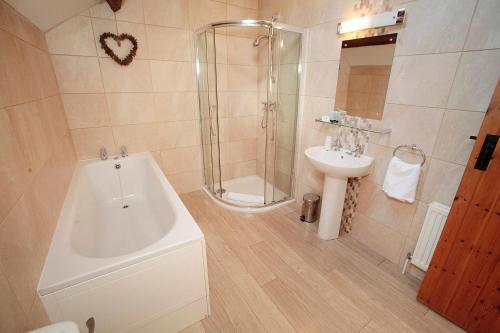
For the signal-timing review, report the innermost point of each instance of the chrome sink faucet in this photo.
(103, 153)
(337, 145)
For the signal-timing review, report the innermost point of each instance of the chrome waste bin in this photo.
(310, 208)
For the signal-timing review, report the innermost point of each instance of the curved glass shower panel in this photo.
(284, 95)
(247, 118)
(207, 101)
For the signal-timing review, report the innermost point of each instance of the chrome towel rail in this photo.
(413, 148)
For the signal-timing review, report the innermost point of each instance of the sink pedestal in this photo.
(332, 205)
(337, 165)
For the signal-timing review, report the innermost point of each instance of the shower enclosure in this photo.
(248, 88)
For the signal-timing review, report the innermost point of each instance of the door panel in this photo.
(463, 280)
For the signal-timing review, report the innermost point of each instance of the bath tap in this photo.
(103, 153)
(123, 151)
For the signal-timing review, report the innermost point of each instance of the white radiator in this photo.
(429, 235)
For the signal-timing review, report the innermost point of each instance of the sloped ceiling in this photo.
(46, 14)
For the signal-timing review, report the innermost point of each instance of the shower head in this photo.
(257, 40)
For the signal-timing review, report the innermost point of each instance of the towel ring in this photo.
(412, 147)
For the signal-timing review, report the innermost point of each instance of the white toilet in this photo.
(62, 327)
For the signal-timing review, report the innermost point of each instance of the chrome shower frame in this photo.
(271, 26)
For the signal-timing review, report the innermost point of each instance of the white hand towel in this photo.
(401, 180)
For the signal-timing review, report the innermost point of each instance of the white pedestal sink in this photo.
(337, 167)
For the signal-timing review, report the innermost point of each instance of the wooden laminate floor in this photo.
(270, 273)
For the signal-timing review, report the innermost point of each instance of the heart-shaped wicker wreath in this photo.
(118, 39)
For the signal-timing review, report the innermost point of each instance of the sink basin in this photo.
(339, 163)
(337, 167)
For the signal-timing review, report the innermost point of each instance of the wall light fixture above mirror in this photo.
(364, 70)
(374, 21)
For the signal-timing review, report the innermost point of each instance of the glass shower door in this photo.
(282, 116)
(208, 106)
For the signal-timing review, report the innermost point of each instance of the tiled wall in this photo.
(446, 65)
(36, 162)
(151, 104)
(238, 104)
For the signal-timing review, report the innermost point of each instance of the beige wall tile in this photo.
(169, 43)
(483, 33)
(88, 141)
(240, 51)
(13, 71)
(24, 245)
(54, 123)
(402, 120)
(378, 237)
(382, 157)
(34, 144)
(322, 78)
(164, 72)
(453, 143)
(242, 128)
(393, 214)
(253, 4)
(137, 138)
(175, 106)
(423, 80)
(441, 182)
(433, 27)
(241, 151)
(86, 110)
(77, 74)
(168, 13)
(100, 26)
(243, 103)
(242, 78)
(36, 162)
(475, 81)
(324, 43)
(139, 32)
(20, 27)
(131, 11)
(221, 48)
(222, 78)
(243, 169)
(102, 10)
(135, 77)
(178, 134)
(180, 160)
(202, 12)
(240, 13)
(131, 108)
(42, 73)
(14, 176)
(72, 37)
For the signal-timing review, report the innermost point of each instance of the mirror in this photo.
(364, 70)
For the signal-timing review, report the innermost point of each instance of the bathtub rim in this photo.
(78, 268)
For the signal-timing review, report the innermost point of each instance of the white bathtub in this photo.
(125, 252)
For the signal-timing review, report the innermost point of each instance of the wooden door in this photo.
(463, 279)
